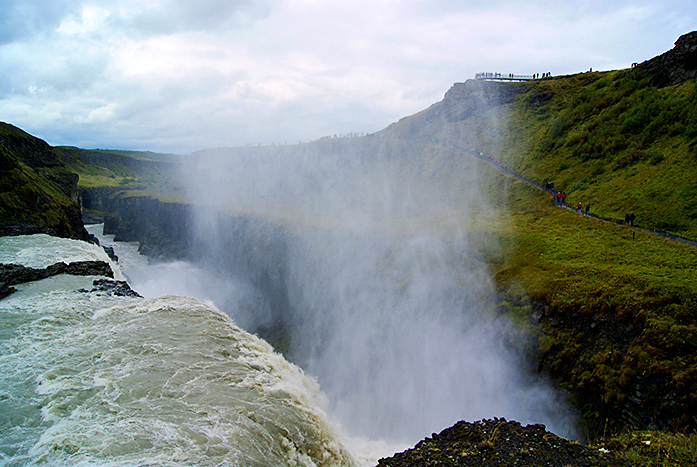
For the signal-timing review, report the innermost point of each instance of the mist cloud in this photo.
(358, 257)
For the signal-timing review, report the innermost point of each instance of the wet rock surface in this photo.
(110, 253)
(499, 442)
(111, 287)
(12, 274)
(162, 229)
(26, 229)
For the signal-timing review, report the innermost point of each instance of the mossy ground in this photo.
(653, 448)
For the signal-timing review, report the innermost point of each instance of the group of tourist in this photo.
(559, 198)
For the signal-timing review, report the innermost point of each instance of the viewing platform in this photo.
(508, 76)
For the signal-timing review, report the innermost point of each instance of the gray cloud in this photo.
(22, 19)
(177, 16)
(182, 75)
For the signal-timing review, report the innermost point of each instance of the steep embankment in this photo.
(612, 308)
(616, 307)
(617, 139)
(38, 192)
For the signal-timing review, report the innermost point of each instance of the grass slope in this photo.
(131, 173)
(612, 309)
(36, 189)
(616, 306)
(612, 140)
(617, 324)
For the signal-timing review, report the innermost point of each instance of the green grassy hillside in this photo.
(38, 193)
(608, 138)
(616, 308)
(613, 309)
(612, 140)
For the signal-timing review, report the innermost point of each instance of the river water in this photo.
(87, 378)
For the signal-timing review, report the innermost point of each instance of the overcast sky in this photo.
(181, 75)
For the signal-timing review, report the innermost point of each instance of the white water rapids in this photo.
(87, 378)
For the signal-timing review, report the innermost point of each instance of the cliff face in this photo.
(161, 228)
(462, 101)
(38, 193)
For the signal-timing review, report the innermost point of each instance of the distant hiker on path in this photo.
(629, 219)
(579, 206)
(588, 206)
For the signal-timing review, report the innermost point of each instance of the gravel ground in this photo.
(499, 442)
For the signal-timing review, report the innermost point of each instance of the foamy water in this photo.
(91, 379)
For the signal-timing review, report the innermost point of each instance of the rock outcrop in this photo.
(462, 101)
(112, 287)
(13, 274)
(675, 66)
(162, 229)
(502, 443)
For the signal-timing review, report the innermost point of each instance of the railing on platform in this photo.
(503, 77)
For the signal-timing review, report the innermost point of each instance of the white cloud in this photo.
(180, 75)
